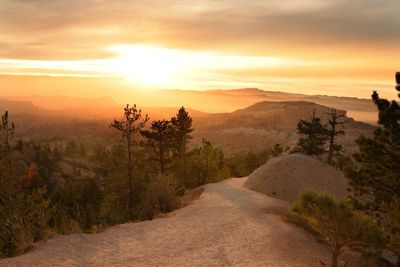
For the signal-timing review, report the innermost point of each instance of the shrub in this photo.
(338, 223)
(160, 197)
(23, 220)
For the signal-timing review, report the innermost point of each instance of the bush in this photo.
(113, 209)
(338, 224)
(23, 220)
(15, 231)
(160, 197)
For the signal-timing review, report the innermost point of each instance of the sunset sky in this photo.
(334, 47)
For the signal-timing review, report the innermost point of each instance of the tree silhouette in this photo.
(334, 121)
(131, 123)
(315, 136)
(159, 138)
(375, 178)
(182, 124)
(6, 133)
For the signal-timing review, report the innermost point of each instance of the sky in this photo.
(334, 47)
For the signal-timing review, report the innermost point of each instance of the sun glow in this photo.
(165, 67)
(149, 65)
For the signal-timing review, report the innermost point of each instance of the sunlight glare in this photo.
(164, 67)
(149, 65)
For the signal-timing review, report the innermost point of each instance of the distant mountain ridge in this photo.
(255, 127)
(220, 101)
(212, 101)
(266, 123)
(58, 102)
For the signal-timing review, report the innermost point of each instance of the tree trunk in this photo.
(162, 167)
(130, 178)
(184, 169)
(331, 141)
(330, 152)
(334, 260)
(183, 154)
(335, 257)
(161, 155)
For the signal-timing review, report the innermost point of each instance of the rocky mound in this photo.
(286, 177)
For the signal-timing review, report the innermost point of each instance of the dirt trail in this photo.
(228, 226)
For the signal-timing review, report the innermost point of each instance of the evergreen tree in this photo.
(159, 137)
(111, 165)
(375, 178)
(6, 133)
(315, 136)
(334, 121)
(206, 163)
(182, 124)
(131, 123)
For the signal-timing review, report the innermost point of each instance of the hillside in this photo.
(254, 128)
(231, 100)
(264, 124)
(217, 101)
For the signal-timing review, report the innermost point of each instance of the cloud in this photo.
(78, 29)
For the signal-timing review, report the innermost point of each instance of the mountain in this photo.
(231, 100)
(265, 124)
(212, 101)
(20, 107)
(57, 102)
(253, 128)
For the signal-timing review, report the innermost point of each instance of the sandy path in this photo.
(228, 226)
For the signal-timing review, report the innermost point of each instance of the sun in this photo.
(149, 65)
(154, 66)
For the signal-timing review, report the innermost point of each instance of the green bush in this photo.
(160, 197)
(113, 208)
(23, 220)
(338, 223)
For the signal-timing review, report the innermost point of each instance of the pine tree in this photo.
(182, 124)
(206, 163)
(375, 178)
(159, 137)
(6, 133)
(315, 136)
(131, 123)
(334, 121)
